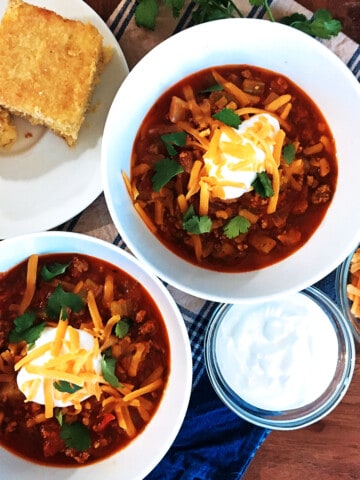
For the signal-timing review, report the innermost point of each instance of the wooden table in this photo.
(329, 449)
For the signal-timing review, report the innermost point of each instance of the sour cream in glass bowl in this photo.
(281, 364)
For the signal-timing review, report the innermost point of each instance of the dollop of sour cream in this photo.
(277, 355)
(25, 378)
(235, 156)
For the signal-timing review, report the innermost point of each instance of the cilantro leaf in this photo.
(321, 25)
(175, 5)
(236, 226)
(58, 415)
(146, 13)
(108, 370)
(122, 327)
(171, 139)
(195, 224)
(165, 170)
(262, 185)
(59, 301)
(75, 435)
(229, 117)
(51, 271)
(24, 322)
(24, 329)
(209, 10)
(67, 387)
(288, 152)
(213, 88)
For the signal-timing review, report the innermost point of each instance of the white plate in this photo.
(43, 182)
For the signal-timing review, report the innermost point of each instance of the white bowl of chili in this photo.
(104, 395)
(200, 214)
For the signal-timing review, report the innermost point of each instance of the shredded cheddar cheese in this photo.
(353, 286)
(235, 156)
(30, 283)
(94, 312)
(278, 103)
(69, 361)
(59, 337)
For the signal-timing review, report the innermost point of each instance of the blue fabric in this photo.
(213, 443)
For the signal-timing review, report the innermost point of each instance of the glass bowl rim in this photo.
(300, 417)
(341, 281)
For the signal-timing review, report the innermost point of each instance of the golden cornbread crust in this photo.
(8, 132)
(48, 67)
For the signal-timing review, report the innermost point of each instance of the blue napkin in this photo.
(213, 443)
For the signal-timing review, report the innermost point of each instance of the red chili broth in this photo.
(304, 118)
(26, 442)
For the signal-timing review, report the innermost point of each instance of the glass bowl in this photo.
(342, 280)
(265, 376)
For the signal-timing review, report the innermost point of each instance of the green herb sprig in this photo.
(321, 25)
(195, 224)
(75, 435)
(25, 329)
(108, 364)
(262, 185)
(229, 117)
(59, 301)
(236, 226)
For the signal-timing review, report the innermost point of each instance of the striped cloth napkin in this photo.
(213, 443)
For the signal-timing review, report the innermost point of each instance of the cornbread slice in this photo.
(48, 67)
(8, 133)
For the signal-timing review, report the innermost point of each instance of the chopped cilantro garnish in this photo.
(236, 225)
(67, 387)
(321, 24)
(122, 327)
(58, 415)
(229, 117)
(108, 364)
(51, 271)
(146, 13)
(195, 224)
(75, 435)
(288, 152)
(207, 11)
(213, 88)
(165, 170)
(262, 185)
(59, 301)
(170, 139)
(24, 329)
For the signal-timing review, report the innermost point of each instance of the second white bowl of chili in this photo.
(230, 170)
(95, 361)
